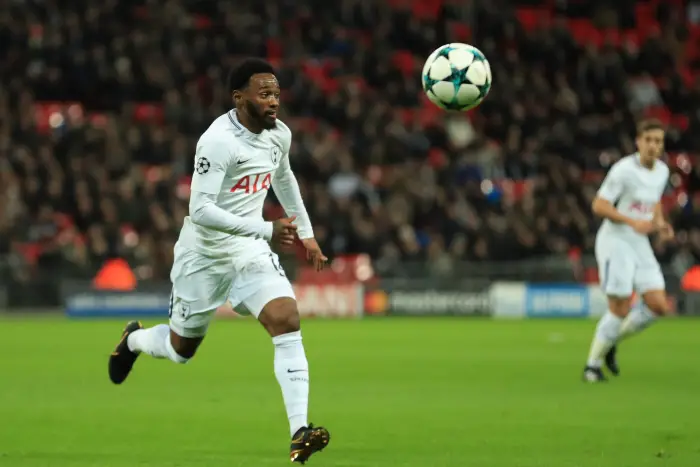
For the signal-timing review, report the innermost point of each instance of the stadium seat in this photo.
(659, 112)
(148, 112)
(403, 60)
(426, 9)
(460, 31)
(274, 49)
(680, 121)
(202, 22)
(584, 33)
(533, 18)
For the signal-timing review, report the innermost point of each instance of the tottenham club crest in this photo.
(275, 154)
(184, 310)
(202, 166)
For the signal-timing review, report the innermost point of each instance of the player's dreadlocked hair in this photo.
(240, 75)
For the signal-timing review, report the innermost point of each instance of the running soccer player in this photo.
(629, 202)
(223, 252)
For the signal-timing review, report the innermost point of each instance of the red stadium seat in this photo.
(660, 112)
(612, 36)
(680, 121)
(404, 61)
(459, 31)
(274, 49)
(49, 114)
(426, 9)
(431, 115)
(330, 85)
(148, 112)
(437, 158)
(29, 251)
(202, 22)
(532, 18)
(631, 37)
(584, 33)
(407, 115)
(646, 19)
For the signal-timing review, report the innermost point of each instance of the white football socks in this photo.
(636, 321)
(155, 342)
(292, 372)
(606, 334)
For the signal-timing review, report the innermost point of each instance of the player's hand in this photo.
(314, 253)
(284, 231)
(642, 227)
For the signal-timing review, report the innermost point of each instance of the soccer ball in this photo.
(456, 77)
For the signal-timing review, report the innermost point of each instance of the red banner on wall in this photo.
(330, 300)
(321, 300)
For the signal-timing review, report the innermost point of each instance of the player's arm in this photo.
(661, 225)
(659, 220)
(286, 189)
(609, 193)
(211, 163)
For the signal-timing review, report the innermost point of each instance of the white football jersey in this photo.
(239, 167)
(635, 190)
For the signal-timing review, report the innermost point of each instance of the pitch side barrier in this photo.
(501, 300)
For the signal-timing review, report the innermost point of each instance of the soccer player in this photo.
(223, 251)
(629, 202)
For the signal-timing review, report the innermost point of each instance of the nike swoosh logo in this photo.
(294, 371)
(243, 162)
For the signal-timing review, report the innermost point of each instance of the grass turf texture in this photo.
(393, 392)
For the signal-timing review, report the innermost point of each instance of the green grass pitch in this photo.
(393, 392)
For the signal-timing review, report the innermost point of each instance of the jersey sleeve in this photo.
(613, 185)
(205, 212)
(286, 189)
(211, 162)
(667, 183)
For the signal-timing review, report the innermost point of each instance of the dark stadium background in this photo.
(422, 213)
(102, 103)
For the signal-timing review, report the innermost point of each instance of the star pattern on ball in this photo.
(202, 166)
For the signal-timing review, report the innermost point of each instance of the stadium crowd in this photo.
(382, 172)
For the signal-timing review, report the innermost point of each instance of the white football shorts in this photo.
(202, 284)
(625, 267)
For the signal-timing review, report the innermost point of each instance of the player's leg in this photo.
(649, 283)
(268, 295)
(177, 342)
(280, 318)
(206, 283)
(616, 266)
(640, 317)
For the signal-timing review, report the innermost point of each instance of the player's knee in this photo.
(657, 303)
(182, 349)
(280, 316)
(619, 306)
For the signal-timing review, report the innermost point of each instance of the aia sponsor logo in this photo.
(638, 206)
(253, 183)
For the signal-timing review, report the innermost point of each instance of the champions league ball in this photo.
(456, 77)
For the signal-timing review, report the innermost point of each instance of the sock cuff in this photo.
(172, 354)
(613, 317)
(646, 312)
(286, 339)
